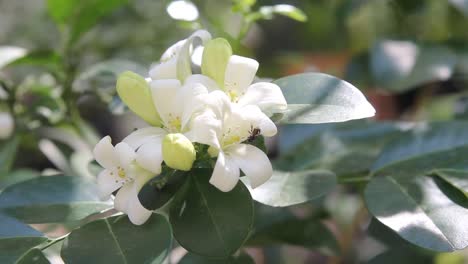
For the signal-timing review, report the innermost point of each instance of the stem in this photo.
(53, 242)
(354, 179)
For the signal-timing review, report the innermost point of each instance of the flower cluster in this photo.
(221, 108)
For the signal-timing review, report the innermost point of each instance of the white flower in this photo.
(225, 136)
(167, 66)
(178, 107)
(120, 171)
(7, 125)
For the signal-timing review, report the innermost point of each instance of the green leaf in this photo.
(9, 54)
(429, 146)
(222, 220)
(34, 256)
(290, 188)
(8, 154)
(242, 6)
(321, 98)
(17, 176)
(401, 256)
(401, 65)
(52, 199)
(461, 5)
(117, 240)
(456, 178)
(191, 258)
(16, 239)
(347, 149)
(277, 226)
(45, 58)
(419, 211)
(152, 196)
(80, 16)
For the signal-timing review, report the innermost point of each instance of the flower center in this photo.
(174, 124)
(121, 172)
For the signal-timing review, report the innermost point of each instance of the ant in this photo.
(254, 132)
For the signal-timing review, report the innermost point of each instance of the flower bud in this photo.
(178, 152)
(215, 57)
(136, 94)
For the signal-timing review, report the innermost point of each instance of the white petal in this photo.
(173, 50)
(164, 70)
(137, 214)
(108, 181)
(123, 196)
(205, 129)
(125, 154)
(7, 125)
(142, 135)
(225, 173)
(164, 94)
(190, 98)
(252, 161)
(267, 96)
(149, 155)
(104, 153)
(219, 102)
(240, 72)
(206, 81)
(257, 119)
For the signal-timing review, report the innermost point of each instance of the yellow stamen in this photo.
(121, 172)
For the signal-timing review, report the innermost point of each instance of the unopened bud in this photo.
(178, 152)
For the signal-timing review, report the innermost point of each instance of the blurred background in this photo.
(409, 57)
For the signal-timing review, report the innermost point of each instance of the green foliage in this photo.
(290, 188)
(191, 258)
(116, 240)
(8, 151)
(52, 199)
(223, 220)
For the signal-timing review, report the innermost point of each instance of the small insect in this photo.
(254, 133)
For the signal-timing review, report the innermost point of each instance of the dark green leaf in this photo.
(34, 256)
(16, 238)
(160, 190)
(200, 212)
(117, 240)
(401, 256)
(52, 199)
(191, 258)
(290, 188)
(417, 209)
(8, 151)
(402, 65)
(321, 98)
(456, 178)
(275, 226)
(461, 5)
(430, 146)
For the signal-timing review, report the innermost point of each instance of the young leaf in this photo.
(320, 98)
(290, 188)
(52, 199)
(222, 219)
(117, 240)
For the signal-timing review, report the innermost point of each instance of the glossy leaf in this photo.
(419, 211)
(428, 147)
(52, 199)
(456, 178)
(321, 98)
(401, 65)
(16, 238)
(191, 258)
(17, 176)
(290, 188)
(117, 240)
(222, 220)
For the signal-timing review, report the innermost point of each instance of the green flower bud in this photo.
(215, 58)
(178, 152)
(135, 93)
